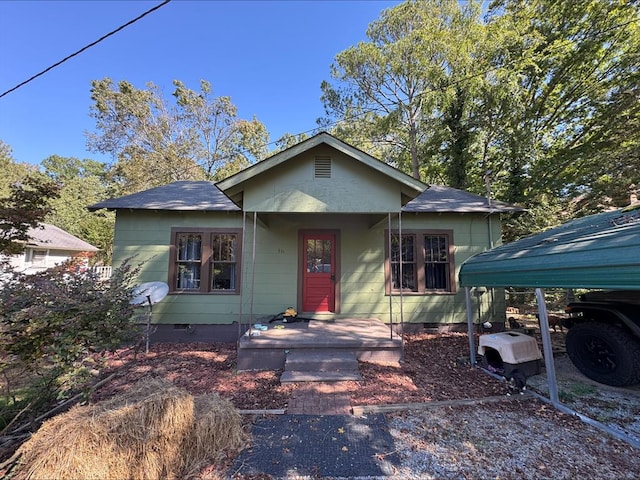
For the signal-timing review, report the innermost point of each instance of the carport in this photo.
(600, 251)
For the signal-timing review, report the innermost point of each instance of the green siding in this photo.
(289, 199)
(147, 235)
(353, 187)
(274, 286)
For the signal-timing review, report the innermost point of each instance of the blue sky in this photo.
(268, 56)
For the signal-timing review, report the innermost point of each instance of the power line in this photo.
(84, 48)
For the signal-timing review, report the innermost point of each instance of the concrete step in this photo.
(306, 360)
(369, 340)
(302, 376)
(317, 365)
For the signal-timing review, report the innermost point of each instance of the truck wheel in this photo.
(605, 353)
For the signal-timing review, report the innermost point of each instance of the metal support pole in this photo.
(547, 348)
(390, 275)
(470, 329)
(244, 230)
(149, 315)
(253, 270)
(401, 275)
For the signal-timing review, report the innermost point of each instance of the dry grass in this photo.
(218, 429)
(154, 431)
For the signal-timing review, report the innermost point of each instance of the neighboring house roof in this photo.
(310, 143)
(598, 251)
(54, 238)
(200, 196)
(438, 198)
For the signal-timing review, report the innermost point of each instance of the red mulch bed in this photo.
(433, 369)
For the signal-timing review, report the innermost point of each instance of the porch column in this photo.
(244, 231)
(401, 274)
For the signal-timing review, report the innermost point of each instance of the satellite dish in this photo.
(149, 293)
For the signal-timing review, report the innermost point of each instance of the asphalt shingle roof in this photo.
(200, 196)
(52, 237)
(206, 196)
(438, 198)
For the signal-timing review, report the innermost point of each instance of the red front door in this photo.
(319, 270)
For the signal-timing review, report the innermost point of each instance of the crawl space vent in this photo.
(323, 167)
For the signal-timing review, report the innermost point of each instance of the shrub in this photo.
(54, 322)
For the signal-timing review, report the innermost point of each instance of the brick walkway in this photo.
(320, 398)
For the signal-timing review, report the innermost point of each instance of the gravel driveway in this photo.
(524, 439)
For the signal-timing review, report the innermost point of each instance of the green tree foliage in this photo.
(62, 169)
(154, 142)
(540, 97)
(288, 140)
(82, 183)
(573, 75)
(53, 323)
(25, 207)
(401, 89)
(12, 171)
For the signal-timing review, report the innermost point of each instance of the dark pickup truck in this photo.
(603, 338)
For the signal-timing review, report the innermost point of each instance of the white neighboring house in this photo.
(48, 246)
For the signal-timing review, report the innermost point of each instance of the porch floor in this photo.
(370, 339)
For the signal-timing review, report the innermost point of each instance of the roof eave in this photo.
(93, 208)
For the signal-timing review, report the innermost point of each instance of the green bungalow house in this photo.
(321, 227)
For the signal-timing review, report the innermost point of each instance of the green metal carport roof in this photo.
(598, 251)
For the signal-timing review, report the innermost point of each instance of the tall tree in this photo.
(25, 200)
(573, 71)
(402, 86)
(25, 207)
(536, 103)
(288, 140)
(12, 170)
(221, 140)
(155, 143)
(82, 183)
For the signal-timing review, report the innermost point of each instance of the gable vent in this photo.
(323, 167)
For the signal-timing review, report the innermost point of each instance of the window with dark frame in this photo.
(223, 261)
(205, 261)
(424, 260)
(437, 263)
(403, 262)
